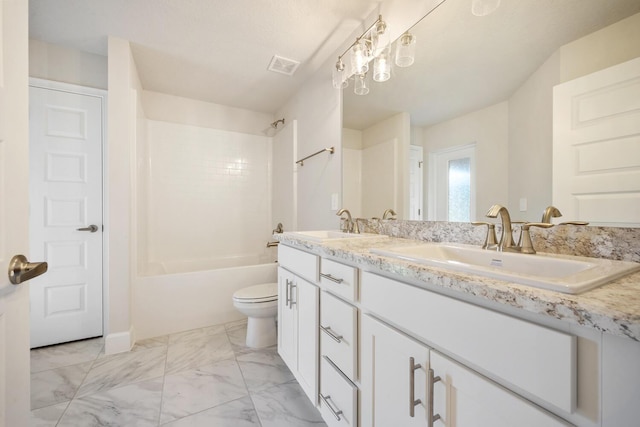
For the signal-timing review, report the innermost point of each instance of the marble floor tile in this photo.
(238, 413)
(286, 405)
(124, 368)
(196, 334)
(162, 341)
(73, 353)
(131, 405)
(47, 417)
(57, 385)
(263, 369)
(192, 391)
(196, 352)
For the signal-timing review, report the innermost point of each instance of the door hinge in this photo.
(420, 164)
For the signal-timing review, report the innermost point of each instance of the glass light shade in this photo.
(360, 85)
(359, 58)
(382, 66)
(340, 80)
(484, 7)
(406, 50)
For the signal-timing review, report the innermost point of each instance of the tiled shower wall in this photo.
(208, 197)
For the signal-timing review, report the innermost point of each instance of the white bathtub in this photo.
(174, 301)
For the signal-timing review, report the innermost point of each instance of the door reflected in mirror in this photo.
(486, 81)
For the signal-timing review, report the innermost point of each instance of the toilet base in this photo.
(261, 332)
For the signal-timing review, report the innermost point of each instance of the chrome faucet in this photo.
(389, 214)
(350, 225)
(550, 212)
(506, 239)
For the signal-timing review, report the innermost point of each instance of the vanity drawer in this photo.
(536, 359)
(301, 263)
(338, 333)
(338, 397)
(339, 278)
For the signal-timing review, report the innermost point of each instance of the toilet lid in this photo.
(258, 293)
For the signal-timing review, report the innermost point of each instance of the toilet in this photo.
(260, 304)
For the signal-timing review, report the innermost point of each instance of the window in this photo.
(451, 195)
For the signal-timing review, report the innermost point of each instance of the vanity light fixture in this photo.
(372, 45)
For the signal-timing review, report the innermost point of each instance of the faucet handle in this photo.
(490, 240)
(574, 223)
(526, 245)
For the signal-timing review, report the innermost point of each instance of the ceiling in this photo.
(212, 50)
(464, 62)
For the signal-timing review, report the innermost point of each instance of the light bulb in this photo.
(359, 58)
(382, 66)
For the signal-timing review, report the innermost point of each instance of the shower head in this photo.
(277, 122)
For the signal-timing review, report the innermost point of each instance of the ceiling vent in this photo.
(283, 65)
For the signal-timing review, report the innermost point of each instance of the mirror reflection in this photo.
(470, 123)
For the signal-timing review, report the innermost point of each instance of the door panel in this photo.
(66, 195)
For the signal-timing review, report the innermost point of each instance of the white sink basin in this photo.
(325, 235)
(562, 273)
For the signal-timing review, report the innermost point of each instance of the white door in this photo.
(393, 376)
(66, 214)
(415, 182)
(14, 206)
(596, 147)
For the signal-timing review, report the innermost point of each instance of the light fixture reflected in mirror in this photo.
(340, 78)
(360, 57)
(406, 50)
(484, 7)
(382, 65)
(360, 85)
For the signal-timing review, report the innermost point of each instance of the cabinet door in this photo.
(464, 398)
(306, 298)
(287, 322)
(393, 377)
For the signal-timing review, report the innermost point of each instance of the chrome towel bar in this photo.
(329, 149)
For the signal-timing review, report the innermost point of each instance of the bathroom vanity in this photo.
(378, 341)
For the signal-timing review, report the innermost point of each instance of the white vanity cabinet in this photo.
(406, 383)
(298, 302)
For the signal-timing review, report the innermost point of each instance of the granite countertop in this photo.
(613, 308)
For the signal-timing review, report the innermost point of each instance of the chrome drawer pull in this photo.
(327, 330)
(336, 413)
(431, 380)
(330, 277)
(412, 387)
(291, 300)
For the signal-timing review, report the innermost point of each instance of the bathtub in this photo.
(174, 298)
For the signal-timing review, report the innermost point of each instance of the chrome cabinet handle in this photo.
(288, 293)
(327, 330)
(92, 228)
(336, 412)
(21, 270)
(412, 386)
(330, 277)
(291, 300)
(431, 380)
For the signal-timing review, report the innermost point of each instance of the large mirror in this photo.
(469, 124)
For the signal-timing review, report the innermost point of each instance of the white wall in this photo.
(121, 150)
(62, 64)
(352, 171)
(318, 109)
(488, 128)
(176, 109)
(530, 108)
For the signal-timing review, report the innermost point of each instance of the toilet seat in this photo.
(265, 292)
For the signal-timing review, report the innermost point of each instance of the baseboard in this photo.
(119, 342)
